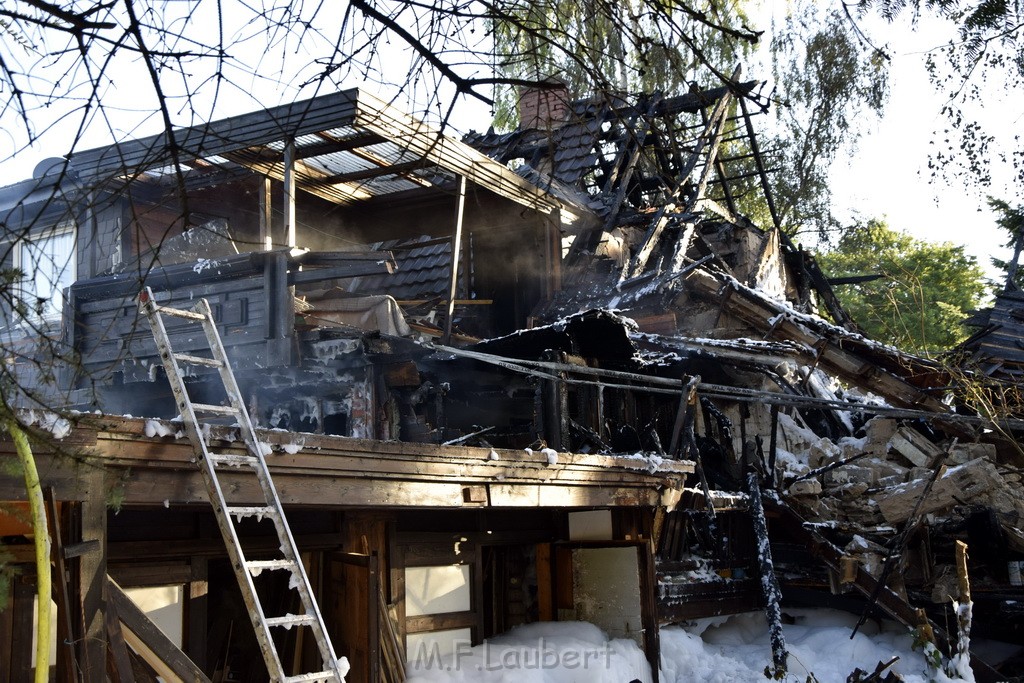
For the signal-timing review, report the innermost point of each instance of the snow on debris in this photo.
(819, 643)
(53, 423)
(293, 447)
(156, 428)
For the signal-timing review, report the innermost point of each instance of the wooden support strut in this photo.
(68, 669)
(453, 284)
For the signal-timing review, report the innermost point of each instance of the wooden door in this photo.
(352, 613)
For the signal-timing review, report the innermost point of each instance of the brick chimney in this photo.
(545, 107)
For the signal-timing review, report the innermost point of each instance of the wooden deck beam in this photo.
(339, 472)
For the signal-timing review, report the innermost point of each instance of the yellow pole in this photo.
(42, 543)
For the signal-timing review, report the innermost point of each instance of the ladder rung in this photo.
(234, 460)
(181, 313)
(213, 410)
(257, 566)
(259, 511)
(315, 676)
(198, 360)
(290, 620)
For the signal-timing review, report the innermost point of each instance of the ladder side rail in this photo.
(289, 547)
(232, 543)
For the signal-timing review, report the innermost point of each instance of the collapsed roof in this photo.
(662, 322)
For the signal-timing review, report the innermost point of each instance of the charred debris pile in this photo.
(661, 323)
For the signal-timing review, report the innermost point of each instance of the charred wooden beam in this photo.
(769, 582)
(759, 163)
(280, 318)
(835, 356)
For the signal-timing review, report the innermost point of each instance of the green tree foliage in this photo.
(629, 46)
(925, 290)
(828, 83)
(1011, 220)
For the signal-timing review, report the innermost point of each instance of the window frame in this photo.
(27, 285)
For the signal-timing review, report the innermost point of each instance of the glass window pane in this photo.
(48, 262)
(437, 590)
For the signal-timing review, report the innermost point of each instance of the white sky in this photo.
(886, 176)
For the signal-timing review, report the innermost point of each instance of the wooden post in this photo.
(453, 285)
(648, 605)
(289, 193)
(769, 583)
(92, 574)
(196, 612)
(280, 316)
(964, 606)
(266, 216)
(66, 663)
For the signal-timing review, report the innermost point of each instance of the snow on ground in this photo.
(721, 650)
(545, 652)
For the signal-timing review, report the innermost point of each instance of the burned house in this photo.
(554, 371)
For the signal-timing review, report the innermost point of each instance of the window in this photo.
(436, 599)
(48, 263)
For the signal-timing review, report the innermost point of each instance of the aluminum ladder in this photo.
(210, 463)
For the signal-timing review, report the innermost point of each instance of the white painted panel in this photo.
(165, 607)
(606, 590)
(437, 590)
(590, 525)
(423, 650)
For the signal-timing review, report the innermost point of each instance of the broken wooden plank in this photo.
(149, 641)
(119, 665)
